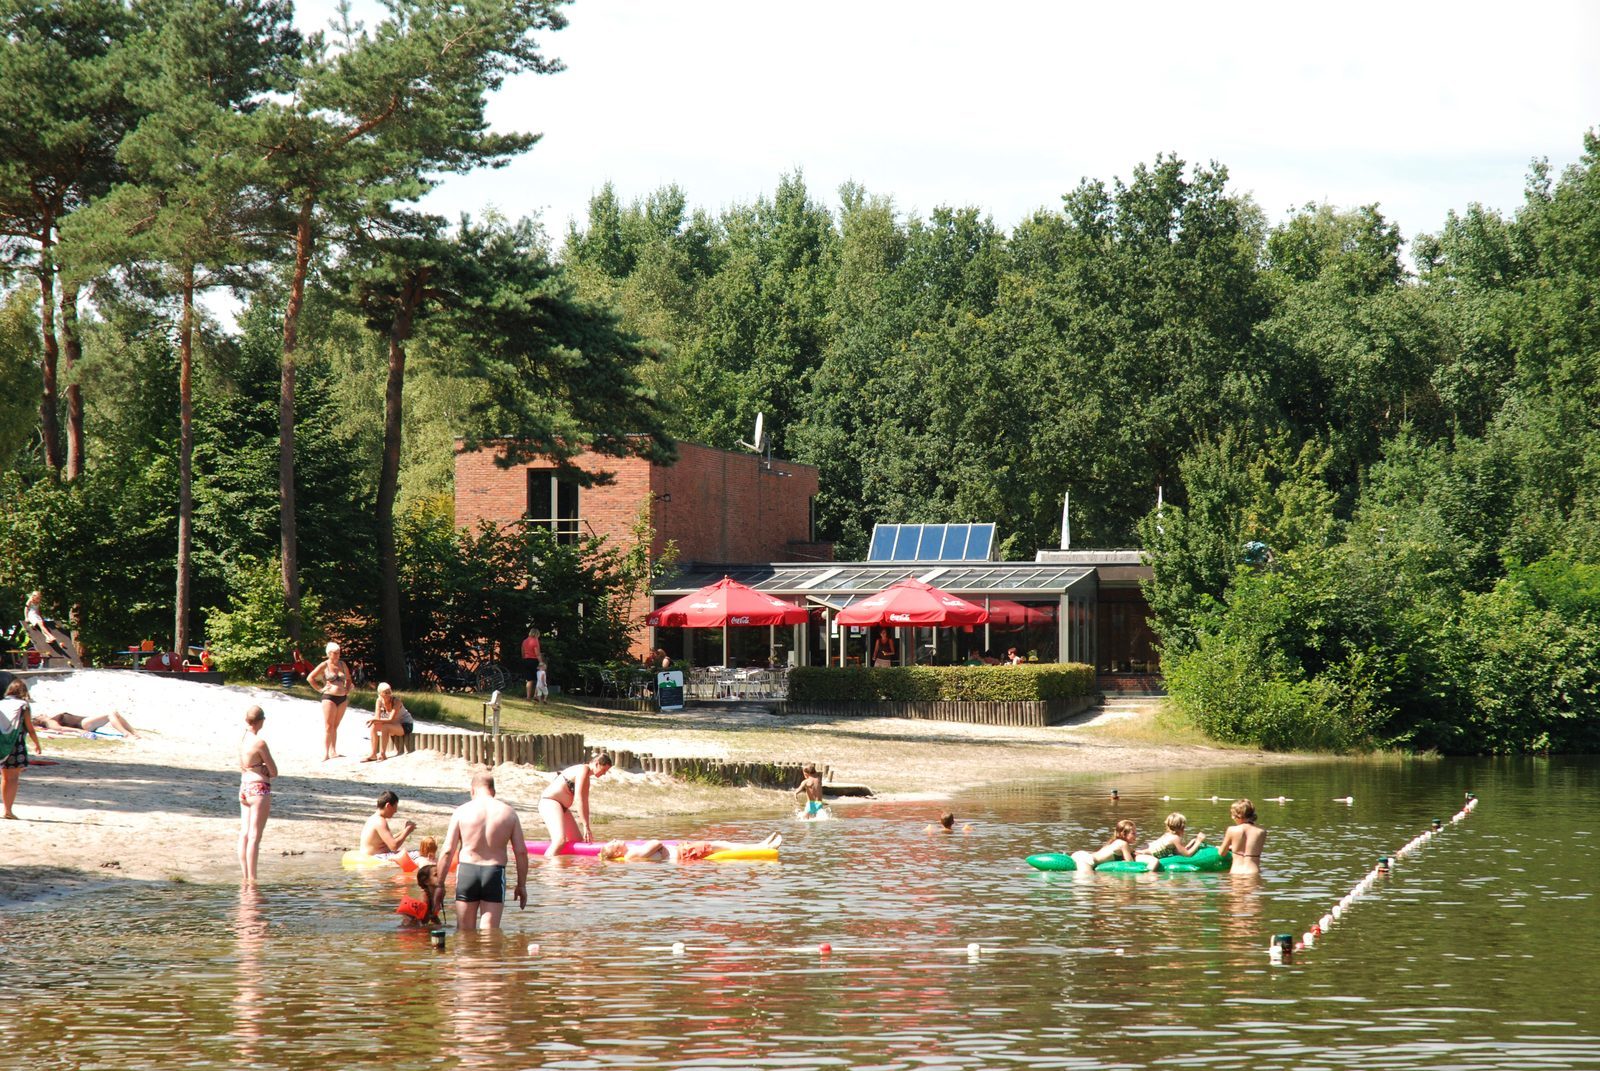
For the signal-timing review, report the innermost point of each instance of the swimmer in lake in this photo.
(417, 912)
(685, 851)
(1244, 838)
(377, 838)
(570, 789)
(1120, 846)
(811, 789)
(947, 824)
(1171, 842)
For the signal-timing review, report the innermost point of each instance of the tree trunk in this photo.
(49, 424)
(180, 614)
(394, 655)
(71, 354)
(288, 548)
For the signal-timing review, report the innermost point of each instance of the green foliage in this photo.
(253, 633)
(992, 684)
(467, 594)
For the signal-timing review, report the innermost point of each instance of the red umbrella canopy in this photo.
(727, 602)
(911, 602)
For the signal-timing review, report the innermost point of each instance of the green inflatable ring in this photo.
(1204, 861)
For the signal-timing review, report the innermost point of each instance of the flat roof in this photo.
(840, 583)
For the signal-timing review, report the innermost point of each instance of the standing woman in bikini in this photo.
(570, 789)
(256, 771)
(332, 678)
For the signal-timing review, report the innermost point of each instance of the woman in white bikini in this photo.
(331, 677)
(570, 789)
(256, 771)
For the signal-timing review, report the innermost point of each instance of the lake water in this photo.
(1482, 952)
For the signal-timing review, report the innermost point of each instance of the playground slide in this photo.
(54, 644)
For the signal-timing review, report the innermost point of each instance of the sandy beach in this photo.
(164, 807)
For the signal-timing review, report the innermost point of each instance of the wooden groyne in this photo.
(553, 751)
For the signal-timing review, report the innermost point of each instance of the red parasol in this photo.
(911, 602)
(727, 602)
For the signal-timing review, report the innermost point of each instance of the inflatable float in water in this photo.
(1205, 860)
(355, 859)
(592, 850)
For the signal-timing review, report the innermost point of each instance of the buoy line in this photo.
(1284, 945)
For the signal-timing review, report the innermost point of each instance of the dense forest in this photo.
(1378, 457)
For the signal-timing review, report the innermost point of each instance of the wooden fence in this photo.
(1036, 712)
(553, 751)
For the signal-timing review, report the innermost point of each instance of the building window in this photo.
(553, 504)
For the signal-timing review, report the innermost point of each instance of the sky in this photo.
(1419, 107)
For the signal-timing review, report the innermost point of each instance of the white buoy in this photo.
(679, 948)
(974, 949)
(1309, 939)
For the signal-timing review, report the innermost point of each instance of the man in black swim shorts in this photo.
(481, 832)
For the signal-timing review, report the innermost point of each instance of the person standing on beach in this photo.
(481, 831)
(16, 729)
(332, 678)
(532, 656)
(256, 770)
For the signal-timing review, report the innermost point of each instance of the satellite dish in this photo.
(758, 441)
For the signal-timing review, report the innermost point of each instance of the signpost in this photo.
(669, 689)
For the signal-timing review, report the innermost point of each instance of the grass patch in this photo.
(517, 715)
(1164, 725)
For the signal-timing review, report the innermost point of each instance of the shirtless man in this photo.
(1244, 839)
(481, 831)
(376, 836)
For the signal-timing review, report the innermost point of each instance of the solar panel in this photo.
(931, 543)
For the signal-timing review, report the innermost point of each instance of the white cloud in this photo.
(1421, 107)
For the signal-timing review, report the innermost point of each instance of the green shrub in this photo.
(1230, 695)
(254, 633)
(900, 684)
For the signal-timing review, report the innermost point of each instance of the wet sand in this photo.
(165, 808)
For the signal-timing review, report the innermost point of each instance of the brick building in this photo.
(716, 505)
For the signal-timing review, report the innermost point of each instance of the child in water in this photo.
(1120, 846)
(1171, 842)
(947, 824)
(1244, 838)
(415, 913)
(427, 852)
(811, 789)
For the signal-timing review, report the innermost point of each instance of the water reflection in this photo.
(250, 941)
(1478, 953)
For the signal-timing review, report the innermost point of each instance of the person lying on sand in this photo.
(685, 851)
(85, 723)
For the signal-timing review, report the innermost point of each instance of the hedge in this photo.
(993, 684)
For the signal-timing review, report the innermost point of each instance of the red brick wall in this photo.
(732, 507)
(716, 504)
